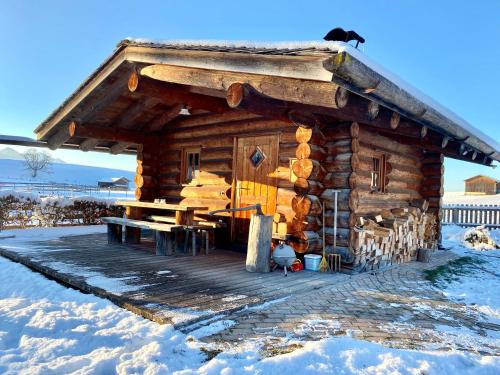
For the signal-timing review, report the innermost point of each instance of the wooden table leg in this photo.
(193, 233)
(114, 233)
(207, 241)
(164, 243)
(132, 235)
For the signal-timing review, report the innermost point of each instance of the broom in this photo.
(323, 266)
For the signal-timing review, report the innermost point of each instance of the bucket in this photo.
(312, 261)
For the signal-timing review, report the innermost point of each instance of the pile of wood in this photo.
(393, 236)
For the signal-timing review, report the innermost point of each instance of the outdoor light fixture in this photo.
(184, 111)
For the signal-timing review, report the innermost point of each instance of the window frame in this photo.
(379, 167)
(185, 164)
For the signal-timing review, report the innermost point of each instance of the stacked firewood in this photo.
(393, 236)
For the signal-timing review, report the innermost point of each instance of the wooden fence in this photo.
(470, 215)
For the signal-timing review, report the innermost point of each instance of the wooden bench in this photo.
(204, 228)
(164, 233)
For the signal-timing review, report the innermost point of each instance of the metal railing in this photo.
(471, 215)
(61, 189)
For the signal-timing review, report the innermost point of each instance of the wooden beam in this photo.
(61, 136)
(243, 96)
(110, 134)
(174, 94)
(127, 117)
(89, 144)
(119, 148)
(324, 94)
(165, 117)
(445, 141)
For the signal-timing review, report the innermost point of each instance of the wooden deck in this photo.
(179, 289)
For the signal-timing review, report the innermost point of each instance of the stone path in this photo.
(397, 307)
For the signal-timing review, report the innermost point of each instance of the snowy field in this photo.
(48, 328)
(461, 198)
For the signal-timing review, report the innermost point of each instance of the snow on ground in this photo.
(479, 286)
(461, 198)
(48, 328)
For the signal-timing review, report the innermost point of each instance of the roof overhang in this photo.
(326, 68)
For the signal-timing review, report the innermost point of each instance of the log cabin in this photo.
(291, 126)
(481, 185)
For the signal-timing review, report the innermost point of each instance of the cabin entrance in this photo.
(254, 175)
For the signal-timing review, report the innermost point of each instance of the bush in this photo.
(25, 210)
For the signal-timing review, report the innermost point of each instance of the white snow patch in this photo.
(212, 328)
(232, 298)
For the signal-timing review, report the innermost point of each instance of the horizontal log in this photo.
(144, 181)
(343, 219)
(303, 186)
(310, 151)
(284, 196)
(307, 223)
(342, 146)
(287, 211)
(214, 166)
(209, 133)
(306, 235)
(387, 143)
(206, 192)
(342, 236)
(174, 94)
(337, 180)
(306, 205)
(287, 89)
(310, 135)
(303, 247)
(308, 169)
(185, 122)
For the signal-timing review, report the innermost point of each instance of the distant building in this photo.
(118, 183)
(481, 185)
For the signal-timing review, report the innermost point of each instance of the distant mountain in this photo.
(11, 154)
(14, 171)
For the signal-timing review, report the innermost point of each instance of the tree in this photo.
(36, 161)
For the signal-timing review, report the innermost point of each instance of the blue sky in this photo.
(448, 49)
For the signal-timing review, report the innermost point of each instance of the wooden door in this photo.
(255, 168)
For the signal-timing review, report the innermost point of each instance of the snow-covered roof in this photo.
(115, 180)
(390, 91)
(481, 176)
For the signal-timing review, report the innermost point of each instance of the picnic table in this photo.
(164, 227)
(184, 215)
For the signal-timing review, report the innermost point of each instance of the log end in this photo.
(72, 128)
(133, 82)
(341, 97)
(235, 94)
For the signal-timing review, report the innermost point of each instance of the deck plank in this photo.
(201, 285)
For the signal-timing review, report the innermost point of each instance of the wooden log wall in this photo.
(432, 186)
(308, 186)
(146, 177)
(404, 173)
(214, 135)
(341, 163)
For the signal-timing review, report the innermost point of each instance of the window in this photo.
(379, 170)
(257, 157)
(190, 166)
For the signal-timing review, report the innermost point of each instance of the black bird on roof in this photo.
(340, 35)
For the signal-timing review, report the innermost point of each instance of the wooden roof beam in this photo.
(126, 119)
(174, 94)
(94, 134)
(119, 147)
(159, 122)
(323, 94)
